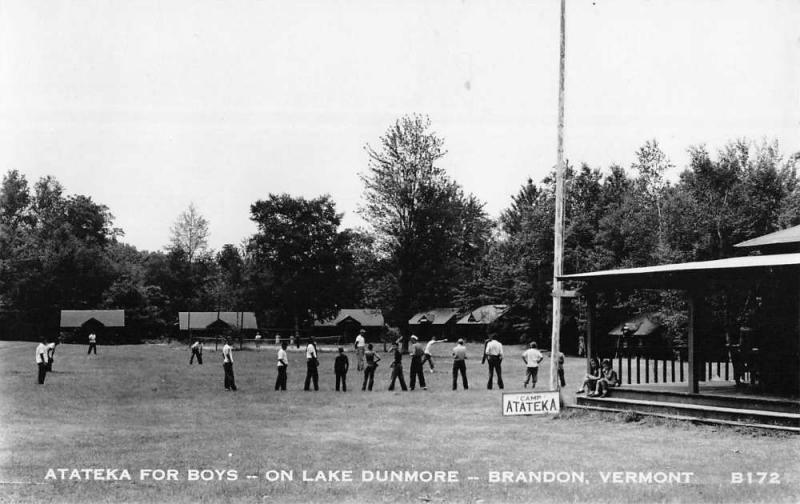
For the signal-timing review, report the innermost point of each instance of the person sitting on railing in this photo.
(609, 379)
(590, 378)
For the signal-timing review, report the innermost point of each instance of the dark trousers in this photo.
(369, 377)
(416, 371)
(311, 374)
(427, 358)
(42, 372)
(495, 364)
(460, 366)
(532, 375)
(92, 346)
(561, 378)
(341, 377)
(397, 372)
(280, 383)
(50, 364)
(197, 354)
(230, 383)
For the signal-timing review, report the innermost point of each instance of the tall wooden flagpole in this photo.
(558, 255)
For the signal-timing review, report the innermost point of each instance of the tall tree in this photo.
(190, 232)
(427, 229)
(297, 257)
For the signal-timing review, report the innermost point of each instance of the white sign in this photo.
(531, 403)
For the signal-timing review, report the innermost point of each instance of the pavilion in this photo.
(702, 387)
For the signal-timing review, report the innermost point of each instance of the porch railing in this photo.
(638, 370)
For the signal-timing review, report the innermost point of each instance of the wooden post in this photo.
(695, 364)
(558, 255)
(590, 326)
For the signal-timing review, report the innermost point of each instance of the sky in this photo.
(148, 106)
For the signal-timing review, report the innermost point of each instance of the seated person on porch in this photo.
(590, 378)
(609, 379)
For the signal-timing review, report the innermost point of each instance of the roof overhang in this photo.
(686, 275)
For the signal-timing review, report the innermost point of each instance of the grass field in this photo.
(144, 407)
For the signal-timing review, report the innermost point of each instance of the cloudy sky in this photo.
(149, 105)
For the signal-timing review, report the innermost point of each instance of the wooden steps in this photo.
(688, 418)
(698, 407)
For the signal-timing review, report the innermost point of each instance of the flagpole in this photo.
(558, 253)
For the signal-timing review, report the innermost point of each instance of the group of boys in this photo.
(367, 362)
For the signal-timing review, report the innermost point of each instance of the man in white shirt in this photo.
(41, 360)
(227, 365)
(460, 364)
(360, 346)
(92, 343)
(258, 340)
(197, 351)
(283, 363)
(493, 353)
(311, 365)
(427, 357)
(532, 357)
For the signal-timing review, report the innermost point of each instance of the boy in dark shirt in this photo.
(397, 367)
(340, 367)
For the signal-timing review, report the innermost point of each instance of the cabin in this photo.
(348, 322)
(744, 374)
(640, 335)
(477, 324)
(439, 323)
(218, 322)
(107, 325)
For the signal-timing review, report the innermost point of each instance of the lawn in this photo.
(143, 407)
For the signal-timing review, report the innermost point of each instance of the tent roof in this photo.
(784, 236)
(437, 316)
(367, 317)
(644, 324)
(485, 314)
(76, 318)
(201, 320)
(682, 275)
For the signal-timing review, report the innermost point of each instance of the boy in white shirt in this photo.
(41, 360)
(227, 365)
(283, 363)
(311, 365)
(532, 357)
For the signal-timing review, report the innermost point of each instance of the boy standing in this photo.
(372, 359)
(340, 366)
(283, 363)
(227, 365)
(360, 347)
(311, 365)
(397, 367)
(416, 364)
(92, 343)
(197, 351)
(41, 360)
(532, 357)
(460, 364)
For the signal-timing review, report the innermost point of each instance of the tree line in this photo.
(431, 244)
